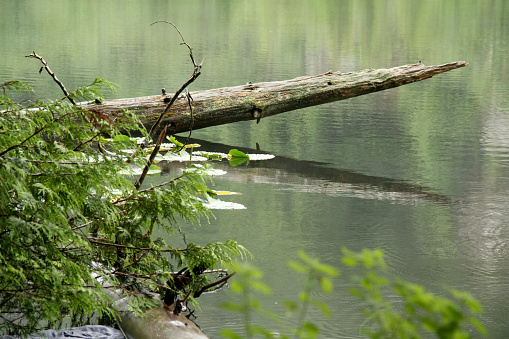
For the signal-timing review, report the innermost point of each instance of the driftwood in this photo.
(160, 322)
(260, 100)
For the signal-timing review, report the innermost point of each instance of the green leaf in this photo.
(175, 141)
(298, 267)
(229, 333)
(238, 161)
(121, 138)
(323, 307)
(478, 325)
(261, 287)
(327, 285)
(327, 270)
(291, 305)
(238, 154)
(236, 157)
(310, 329)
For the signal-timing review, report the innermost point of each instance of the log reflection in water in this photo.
(317, 177)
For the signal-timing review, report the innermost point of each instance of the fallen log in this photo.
(255, 101)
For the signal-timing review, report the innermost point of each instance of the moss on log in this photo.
(255, 101)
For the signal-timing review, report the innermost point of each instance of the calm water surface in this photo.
(421, 171)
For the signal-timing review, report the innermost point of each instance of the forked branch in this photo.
(196, 73)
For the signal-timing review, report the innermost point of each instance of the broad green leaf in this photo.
(238, 154)
(238, 161)
(236, 157)
(121, 138)
(175, 141)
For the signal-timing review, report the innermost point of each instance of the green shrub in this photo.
(73, 222)
(422, 311)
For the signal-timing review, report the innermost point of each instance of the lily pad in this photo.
(205, 170)
(216, 204)
(260, 156)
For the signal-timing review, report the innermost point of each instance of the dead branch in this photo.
(52, 74)
(150, 161)
(260, 100)
(196, 73)
(221, 281)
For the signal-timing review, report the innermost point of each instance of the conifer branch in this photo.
(150, 189)
(35, 133)
(92, 138)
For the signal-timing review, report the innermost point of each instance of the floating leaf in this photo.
(134, 171)
(211, 155)
(205, 170)
(154, 169)
(260, 156)
(225, 193)
(216, 204)
(162, 147)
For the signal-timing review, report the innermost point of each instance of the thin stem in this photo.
(52, 74)
(150, 161)
(196, 73)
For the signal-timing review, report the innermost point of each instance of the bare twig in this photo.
(87, 141)
(50, 72)
(215, 283)
(189, 101)
(196, 73)
(84, 225)
(120, 200)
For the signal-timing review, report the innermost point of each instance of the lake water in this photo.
(420, 171)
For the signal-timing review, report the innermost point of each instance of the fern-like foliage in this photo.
(73, 226)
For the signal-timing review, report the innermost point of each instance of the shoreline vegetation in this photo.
(78, 221)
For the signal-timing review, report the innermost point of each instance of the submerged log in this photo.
(255, 101)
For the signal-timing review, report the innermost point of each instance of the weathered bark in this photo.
(162, 323)
(260, 100)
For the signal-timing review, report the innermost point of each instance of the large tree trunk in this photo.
(260, 100)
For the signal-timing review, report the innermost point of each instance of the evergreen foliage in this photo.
(73, 225)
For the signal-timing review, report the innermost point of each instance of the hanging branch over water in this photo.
(52, 74)
(196, 74)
